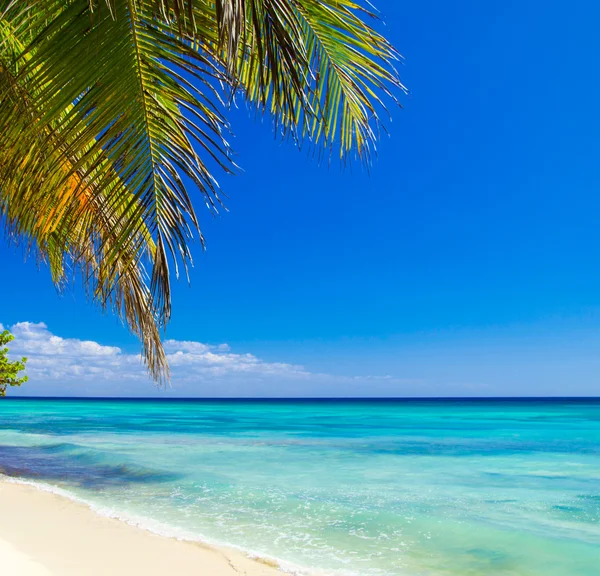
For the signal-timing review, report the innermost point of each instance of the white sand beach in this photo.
(44, 534)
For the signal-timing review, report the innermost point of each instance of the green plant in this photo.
(9, 371)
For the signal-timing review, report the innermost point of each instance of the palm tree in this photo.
(112, 116)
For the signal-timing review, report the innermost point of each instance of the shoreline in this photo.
(43, 533)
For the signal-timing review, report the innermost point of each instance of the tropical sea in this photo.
(370, 488)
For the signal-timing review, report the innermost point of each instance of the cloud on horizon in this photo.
(69, 366)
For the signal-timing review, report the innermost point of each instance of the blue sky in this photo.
(464, 263)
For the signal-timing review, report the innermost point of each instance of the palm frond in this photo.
(315, 65)
(111, 115)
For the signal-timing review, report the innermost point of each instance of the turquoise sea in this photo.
(371, 488)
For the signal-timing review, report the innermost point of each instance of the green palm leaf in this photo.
(112, 115)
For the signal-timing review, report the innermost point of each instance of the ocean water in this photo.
(370, 488)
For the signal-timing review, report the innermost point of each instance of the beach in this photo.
(352, 488)
(45, 534)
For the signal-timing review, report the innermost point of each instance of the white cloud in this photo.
(69, 366)
(35, 338)
(186, 346)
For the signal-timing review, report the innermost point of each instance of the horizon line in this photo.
(301, 398)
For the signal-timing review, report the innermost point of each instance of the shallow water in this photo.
(427, 488)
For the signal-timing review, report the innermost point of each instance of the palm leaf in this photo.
(111, 115)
